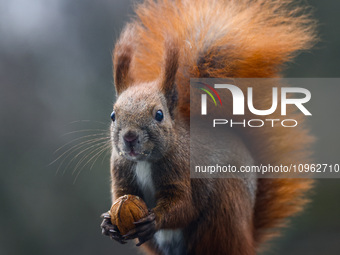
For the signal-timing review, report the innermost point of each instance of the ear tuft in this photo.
(122, 58)
(171, 63)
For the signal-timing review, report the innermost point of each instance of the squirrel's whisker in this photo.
(75, 147)
(90, 151)
(98, 143)
(79, 138)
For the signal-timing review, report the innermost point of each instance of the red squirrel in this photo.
(166, 44)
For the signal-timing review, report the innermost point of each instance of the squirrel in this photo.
(166, 44)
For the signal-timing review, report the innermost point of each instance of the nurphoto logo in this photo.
(238, 104)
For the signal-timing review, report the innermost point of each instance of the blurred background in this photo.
(56, 89)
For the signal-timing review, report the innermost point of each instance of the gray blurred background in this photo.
(56, 85)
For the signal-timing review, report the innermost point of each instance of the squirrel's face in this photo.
(143, 116)
(142, 125)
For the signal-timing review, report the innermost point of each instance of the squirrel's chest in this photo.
(169, 241)
(143, 172)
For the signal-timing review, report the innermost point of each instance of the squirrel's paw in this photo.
(110, 230)
(145, 229)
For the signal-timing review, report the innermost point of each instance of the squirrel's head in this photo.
(143, 116)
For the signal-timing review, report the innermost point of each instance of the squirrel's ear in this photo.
(169, 71)
(122, 58)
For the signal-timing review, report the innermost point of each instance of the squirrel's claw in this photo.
(110, 230)
(105, 215)
(150, 218)
(145, 229)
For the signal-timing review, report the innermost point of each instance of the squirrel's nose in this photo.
(130, 137)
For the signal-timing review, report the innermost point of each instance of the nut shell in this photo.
(126, 210)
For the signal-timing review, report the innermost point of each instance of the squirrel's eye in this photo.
(159, 115)
(113, 116)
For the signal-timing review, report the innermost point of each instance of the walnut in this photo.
(126, 210)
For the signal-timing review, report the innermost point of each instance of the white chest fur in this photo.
(145, 182)
(169, 241)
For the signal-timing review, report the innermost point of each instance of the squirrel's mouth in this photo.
(132, 153)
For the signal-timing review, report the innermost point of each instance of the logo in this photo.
(288, 96)
(204, 97)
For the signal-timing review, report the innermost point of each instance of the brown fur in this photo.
(236, 39)
(122, 59)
